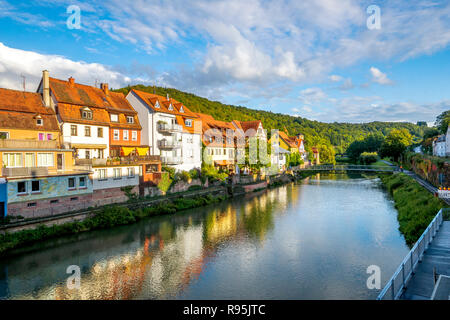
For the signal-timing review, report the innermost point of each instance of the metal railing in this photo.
(331, 167)
(397, 283)
(164, 127)
(171, 160)
(168, 144)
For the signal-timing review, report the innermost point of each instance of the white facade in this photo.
(447, 143)
(115, 177)
(81, 138)
(166, 137)
(439, 146)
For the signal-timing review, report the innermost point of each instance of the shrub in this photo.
(368, 157)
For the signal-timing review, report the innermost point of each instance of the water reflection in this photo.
(272, 244)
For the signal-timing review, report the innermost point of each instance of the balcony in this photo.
(28, 144)
(34, 172)
(169, 128)
(166, 144)
(171, 160)
(130, 160)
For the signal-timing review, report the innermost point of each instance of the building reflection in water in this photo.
(160, 258)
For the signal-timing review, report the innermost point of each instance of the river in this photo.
(308, 240)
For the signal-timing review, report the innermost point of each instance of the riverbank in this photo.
(416, 206)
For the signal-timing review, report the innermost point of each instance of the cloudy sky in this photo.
(319, 59)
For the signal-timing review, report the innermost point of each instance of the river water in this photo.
(308, 240)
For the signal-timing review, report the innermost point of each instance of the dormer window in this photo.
(170, 107)
(114, 118)
(39, 121)
(157, 105)
(188, 122)
(181, 109)
(86, 113)
(130, 119)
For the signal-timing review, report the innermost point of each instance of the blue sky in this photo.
(316, 59)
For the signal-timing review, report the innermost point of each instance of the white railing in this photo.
(397, 283)
(330, 167)
(169, 127)
(171, 160)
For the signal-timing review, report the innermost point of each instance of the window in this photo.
(12, 160)
(100, 132)
(45, 159)
(188, 122)
(39, 122)
(4, 135)
(116, 135)
(71, 183)
(21, 187)
(73, 130)
(114, 118)
(134, 135)
(125, 135)
(54, 201)
(35, 186)
(74, 199)
(102, 174)
(82, 182)
(170, 107)
(30, 160)
(32, 204)
(130, 172)
(86, 114)
(181, 109)
(49, 136)
(157, 104)
(87, 154)
(87, 131)
(117, 173)
(130, 119)
(41, 136)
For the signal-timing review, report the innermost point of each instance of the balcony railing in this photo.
(171, 160)
(117, 161)
(166, 144)
(25, 172)
(164, 127)
(28, 144)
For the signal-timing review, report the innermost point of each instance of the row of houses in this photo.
(70, 146)
(441, 145)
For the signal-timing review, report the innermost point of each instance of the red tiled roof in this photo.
(246, 125)
(150, 100)
(19, 110)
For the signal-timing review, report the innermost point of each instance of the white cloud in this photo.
(379, 77)
(312, 95)
(15, 62)
(335, 78)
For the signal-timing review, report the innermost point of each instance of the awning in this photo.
(88, 146)
(142, 151)
(222, 162)
(127, 150)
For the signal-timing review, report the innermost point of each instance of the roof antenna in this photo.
(23, 82)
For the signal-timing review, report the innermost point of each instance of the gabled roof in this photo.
(192, 129)
(153, 100)
(289, 141)
(72, 97)
(19, 110)
(209, 123)
(246, 125)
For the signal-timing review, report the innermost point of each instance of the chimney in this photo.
(71, 81)
(168, 99)
(46, 88)
(104, 87)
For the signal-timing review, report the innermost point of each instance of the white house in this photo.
(439, 146)
(447, 142)
(169, 128)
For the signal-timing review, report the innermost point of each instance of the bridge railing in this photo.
(330, 167)
(397, 283)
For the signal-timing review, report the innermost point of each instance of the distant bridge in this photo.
(330, 167)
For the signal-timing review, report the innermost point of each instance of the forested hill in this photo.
(340, 135)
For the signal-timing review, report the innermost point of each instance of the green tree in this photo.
(395, 144)
(326, 154)
(442, 121)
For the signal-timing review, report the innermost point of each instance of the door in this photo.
(59, 161)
